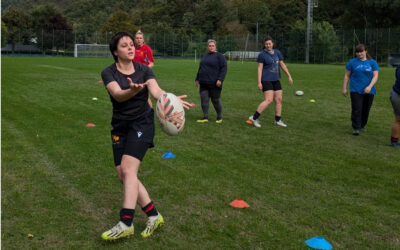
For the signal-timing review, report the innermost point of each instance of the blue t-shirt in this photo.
(361, 74)
(271, 67)
(396, 86)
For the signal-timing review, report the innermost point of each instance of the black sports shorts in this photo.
(271, 85)
(130, 138)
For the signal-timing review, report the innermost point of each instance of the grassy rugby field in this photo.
(311, 178)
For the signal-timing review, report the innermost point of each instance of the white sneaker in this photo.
(153, 222)
(280, 123)
(118, 231)
(256, 123)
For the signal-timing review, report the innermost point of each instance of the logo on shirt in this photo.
(139, 134)
(115, 139)
(362, 67)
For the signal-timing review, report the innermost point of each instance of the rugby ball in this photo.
(170, 114)
(299, 93)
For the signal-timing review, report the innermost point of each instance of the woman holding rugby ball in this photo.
(129, 84)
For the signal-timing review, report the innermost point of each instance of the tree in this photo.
(208, 15)
(50, 27)
(362, 14)
(254, 14)
(119, 21)
(17, 23)
(286, 13)
(3, 33)
(325, 43)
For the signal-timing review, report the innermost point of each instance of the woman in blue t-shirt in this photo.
(362, 72)
(270, 62)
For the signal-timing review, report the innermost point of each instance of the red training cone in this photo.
(238, 203)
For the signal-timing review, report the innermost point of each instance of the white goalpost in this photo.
(91, 50)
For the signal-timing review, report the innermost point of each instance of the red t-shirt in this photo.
(143, 55)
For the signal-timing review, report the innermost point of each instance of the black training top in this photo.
(396, 86)
(212, 68)
(136, 108)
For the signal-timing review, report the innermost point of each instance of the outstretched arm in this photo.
(122, 95)
(156, 92)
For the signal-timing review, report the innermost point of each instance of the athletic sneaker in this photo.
(280, 123)
(256, 123)
(204, 120)
(118, 231)
(395, 144)
(356, 132)
(219, 121)
(152, 224)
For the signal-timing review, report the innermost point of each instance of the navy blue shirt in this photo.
(137, 107)
(396, 86)
(212, 68)
(271, 67)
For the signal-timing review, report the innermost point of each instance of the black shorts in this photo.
(271, 85)
(395, 99)
(213, 90)
(130, 138)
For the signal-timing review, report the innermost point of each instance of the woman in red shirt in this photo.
(143, 52)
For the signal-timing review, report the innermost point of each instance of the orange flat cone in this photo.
(100, 81)
(238, 203)
(249, 122)
(90, 125)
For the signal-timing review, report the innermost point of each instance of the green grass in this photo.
(311, 178)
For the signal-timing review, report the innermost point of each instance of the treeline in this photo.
(184, 18)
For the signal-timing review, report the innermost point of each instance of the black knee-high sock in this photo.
(277, 118)
(126, 216)
(150, 209)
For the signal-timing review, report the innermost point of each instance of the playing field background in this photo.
(313, 178)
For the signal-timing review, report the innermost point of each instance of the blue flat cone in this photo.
(168, 155)
(318, 243)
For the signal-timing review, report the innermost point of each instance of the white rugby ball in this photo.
(299, 93)
(170, 114)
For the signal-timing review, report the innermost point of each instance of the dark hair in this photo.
(361, 47)
(115, 40)
(267, 38)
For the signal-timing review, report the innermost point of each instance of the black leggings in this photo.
(207, 91)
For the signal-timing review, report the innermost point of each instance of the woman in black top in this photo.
(395, 99)
(129, 85)
(210, 76)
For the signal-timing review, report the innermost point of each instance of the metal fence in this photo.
(337, 47)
